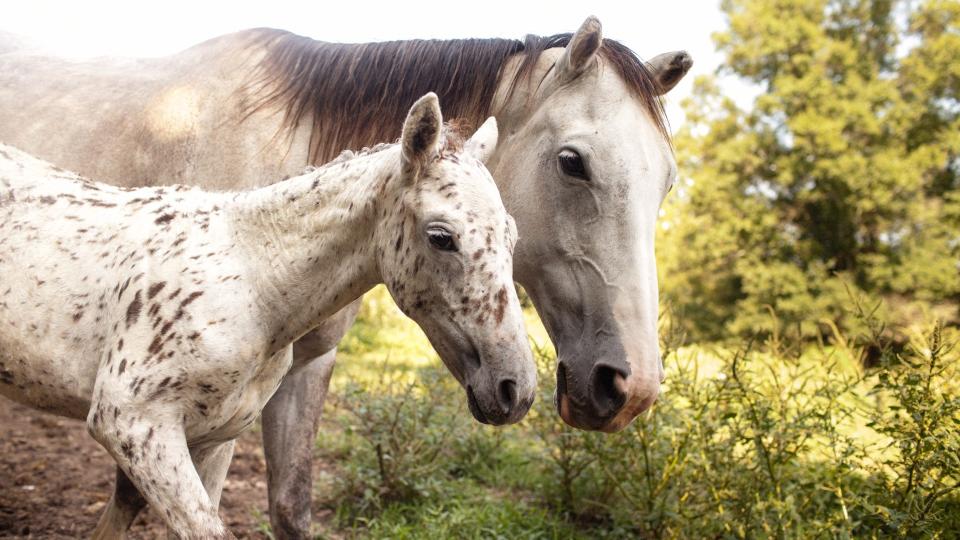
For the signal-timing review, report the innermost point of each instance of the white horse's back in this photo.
(145, 121)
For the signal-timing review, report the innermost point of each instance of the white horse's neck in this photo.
(310, 241)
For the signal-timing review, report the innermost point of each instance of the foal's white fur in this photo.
(164, 315)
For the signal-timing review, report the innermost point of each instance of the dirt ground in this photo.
(55, 481)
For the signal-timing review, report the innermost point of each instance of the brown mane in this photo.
(358, 95)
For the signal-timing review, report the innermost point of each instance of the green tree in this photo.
(844, 175)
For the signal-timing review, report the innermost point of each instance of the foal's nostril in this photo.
(507, 395)
(606, 394)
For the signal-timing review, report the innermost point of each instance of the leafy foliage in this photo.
(923, 421)
(845, 172)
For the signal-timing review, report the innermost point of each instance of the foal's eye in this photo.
(571, 164)
(441, 239)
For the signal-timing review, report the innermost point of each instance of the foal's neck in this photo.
(310, 241)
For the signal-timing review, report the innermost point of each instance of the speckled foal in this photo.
(164, 315)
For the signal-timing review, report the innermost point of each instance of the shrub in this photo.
(918, 475)
(402, 437)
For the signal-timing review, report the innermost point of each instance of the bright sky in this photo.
(137, 28)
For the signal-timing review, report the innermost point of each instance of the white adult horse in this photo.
(583, 163)
(164, 315)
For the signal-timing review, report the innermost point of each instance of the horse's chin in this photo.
(620, 421)
(562, 402)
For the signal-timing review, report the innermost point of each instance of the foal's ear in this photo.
(668, 68)
(420, 140)
(581, 51)
(483, 141)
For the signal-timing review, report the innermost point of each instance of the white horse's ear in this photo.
(668, 68)
(483, 141)
(420, 140)
(581, 50)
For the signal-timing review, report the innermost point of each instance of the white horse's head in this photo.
(584, 162)
(446, 255)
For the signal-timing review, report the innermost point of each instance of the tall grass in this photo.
(767, 439)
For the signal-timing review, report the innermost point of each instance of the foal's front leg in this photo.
(126, 503)
(212, 464)
(152, 451)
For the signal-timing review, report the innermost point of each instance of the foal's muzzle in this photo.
(505, 408)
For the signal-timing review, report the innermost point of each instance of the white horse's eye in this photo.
(440, 238)
(571, 164)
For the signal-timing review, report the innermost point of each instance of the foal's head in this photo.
(446, 255)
